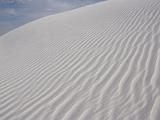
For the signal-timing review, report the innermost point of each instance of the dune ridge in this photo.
(99, 62)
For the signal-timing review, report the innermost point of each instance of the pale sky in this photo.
(14, 13)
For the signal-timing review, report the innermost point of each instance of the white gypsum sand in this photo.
(99, 62)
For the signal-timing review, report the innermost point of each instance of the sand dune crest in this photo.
(100, 62)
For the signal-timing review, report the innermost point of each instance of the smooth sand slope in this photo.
(100, 62)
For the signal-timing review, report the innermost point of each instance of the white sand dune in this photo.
(100, 62)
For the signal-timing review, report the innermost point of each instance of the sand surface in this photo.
(100, 62)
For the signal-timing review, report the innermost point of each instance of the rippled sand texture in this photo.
(100, 62)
